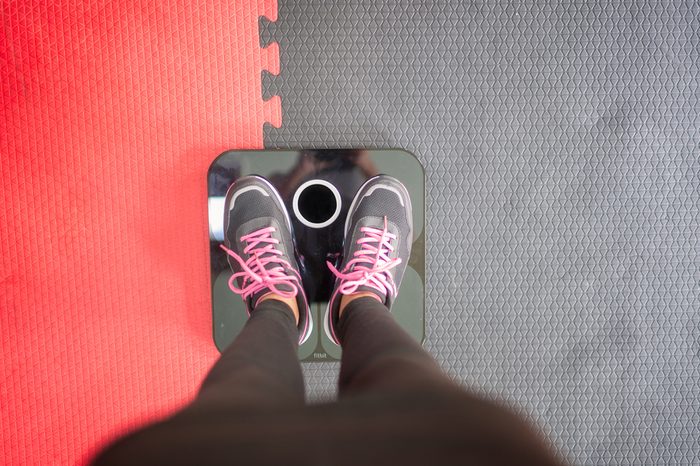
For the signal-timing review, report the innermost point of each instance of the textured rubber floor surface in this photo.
(111, 112)
(561, 142)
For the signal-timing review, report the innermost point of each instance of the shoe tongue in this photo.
(379, 294)
(280, 286)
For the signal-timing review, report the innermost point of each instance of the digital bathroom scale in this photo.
(317, 187)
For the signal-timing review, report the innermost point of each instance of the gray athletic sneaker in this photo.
(378, 239)
(260, 247)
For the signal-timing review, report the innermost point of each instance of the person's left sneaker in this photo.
(260, 247)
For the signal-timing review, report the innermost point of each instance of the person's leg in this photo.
(261, 366)
(378, 355)
(377, 250)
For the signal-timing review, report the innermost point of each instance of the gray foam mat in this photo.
(561, 145)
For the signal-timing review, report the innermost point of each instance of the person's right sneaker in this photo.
(378, 239)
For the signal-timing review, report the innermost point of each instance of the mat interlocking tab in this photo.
(270, 62)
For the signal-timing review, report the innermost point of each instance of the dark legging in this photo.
(395, 406)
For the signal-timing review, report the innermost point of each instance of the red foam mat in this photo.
(111, 112)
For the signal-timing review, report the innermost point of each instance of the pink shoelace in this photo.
(370, 264)
(256, 273)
